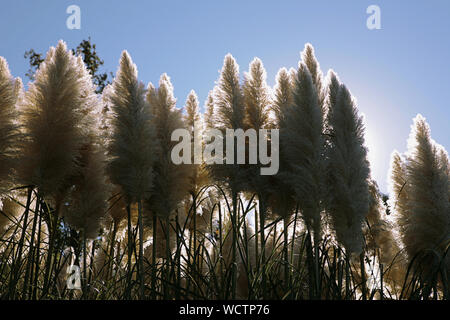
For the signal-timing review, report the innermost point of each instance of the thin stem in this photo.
(141, 249)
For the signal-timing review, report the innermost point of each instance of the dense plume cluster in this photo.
(88, 179)
(347, 171)
(420, 196)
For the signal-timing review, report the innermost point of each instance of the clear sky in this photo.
(394, 73)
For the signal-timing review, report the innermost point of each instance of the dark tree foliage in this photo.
(35, 61)
(88, 52)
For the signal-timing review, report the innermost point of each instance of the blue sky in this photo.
(394, 73)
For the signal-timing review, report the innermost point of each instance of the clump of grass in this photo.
(9, 128)
(147, 228)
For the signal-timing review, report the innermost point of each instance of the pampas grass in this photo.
(257, 102)
(199, 176)
(282, 202)
(382, 242)
(228, 96)
(52, 115)
(89, 170)
(86, 203)
(347, 171)
(171, 181)
(428, 225)
(309, 59)
(9, 129)
(229, 113)
(55, 114)
(209, 111)
(303, 147)
(420, 188)
(256, 96)
(9, 212)
(130, 149)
